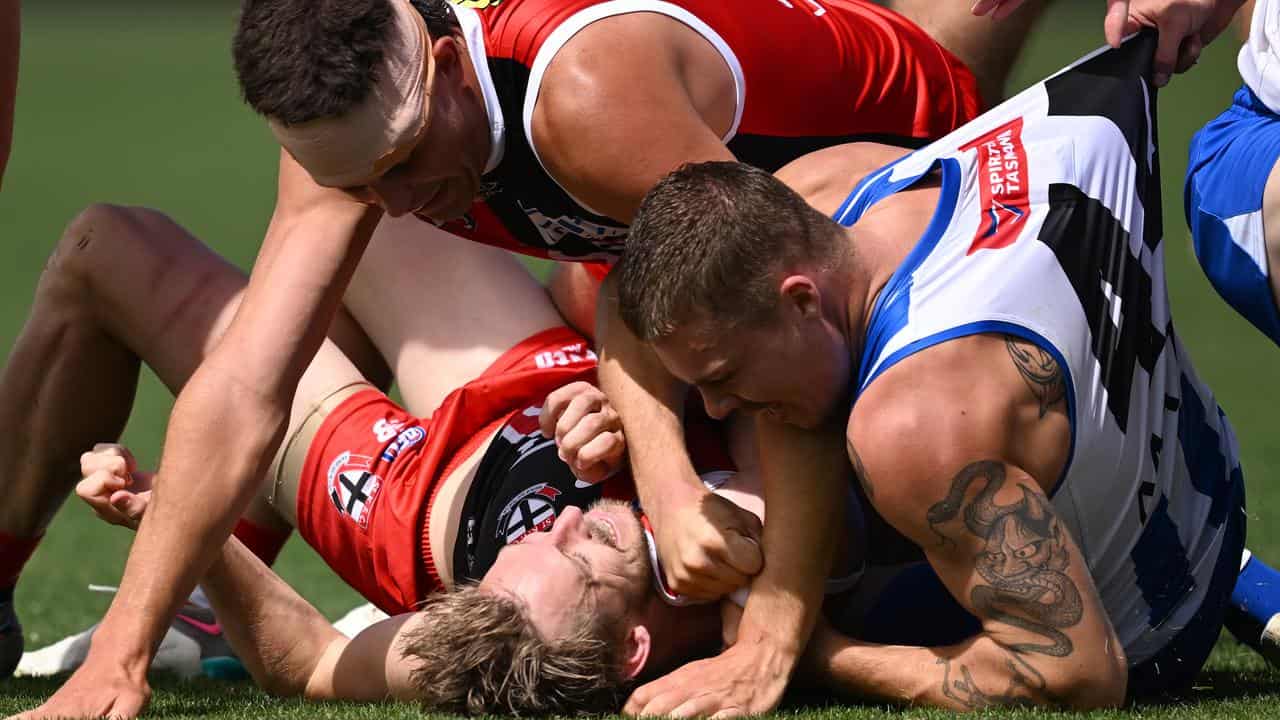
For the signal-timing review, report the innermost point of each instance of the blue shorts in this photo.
(1231, 159)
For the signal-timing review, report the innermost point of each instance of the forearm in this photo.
(974, 674)
(799, 536)
(192, 509)
(278, 635)
(650, 403)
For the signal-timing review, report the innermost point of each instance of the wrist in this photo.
(126, 651)
(774, 653)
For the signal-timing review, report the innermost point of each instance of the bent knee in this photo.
(103, 241)
(103, 234)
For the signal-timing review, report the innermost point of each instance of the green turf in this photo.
(135, 103)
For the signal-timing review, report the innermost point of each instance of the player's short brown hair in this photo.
(711, 238)
(477, 652)
(302, 60)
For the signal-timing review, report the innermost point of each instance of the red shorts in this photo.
(372, 469)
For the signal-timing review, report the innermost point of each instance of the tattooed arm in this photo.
(943, 441)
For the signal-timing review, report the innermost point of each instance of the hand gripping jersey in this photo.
(809, 74)
(1048, 228)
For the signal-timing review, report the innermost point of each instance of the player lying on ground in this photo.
(994, 308)
(403, 507)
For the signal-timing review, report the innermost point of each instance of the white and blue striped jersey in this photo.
(1048, 228)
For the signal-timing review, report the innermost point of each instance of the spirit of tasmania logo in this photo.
(1002, 183)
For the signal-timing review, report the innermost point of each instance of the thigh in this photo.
(170, 298)
(1233, 208)
(441, 309)
(179, 300)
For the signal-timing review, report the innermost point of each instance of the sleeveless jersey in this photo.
(1048, 228)
(808, 73)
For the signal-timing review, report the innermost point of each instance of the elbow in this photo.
(277, 687)
(1097, 685)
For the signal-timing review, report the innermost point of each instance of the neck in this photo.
(479, 136)
(885, 235)
(680, 634)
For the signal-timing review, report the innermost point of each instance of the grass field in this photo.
(135, 103)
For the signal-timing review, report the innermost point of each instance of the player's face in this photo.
(793, 372)
(594, 561)
(437, 176)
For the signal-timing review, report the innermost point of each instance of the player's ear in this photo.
(636, 651)
(800, 293)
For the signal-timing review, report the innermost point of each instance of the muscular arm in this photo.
(941, 465)
(10, 35)
(590, 116)
(232, 414)
(290, 648)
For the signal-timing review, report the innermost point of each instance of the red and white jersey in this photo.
(808, 74)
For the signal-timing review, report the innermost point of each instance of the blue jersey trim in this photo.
(993, 327)
(866, 193)
(889, 313)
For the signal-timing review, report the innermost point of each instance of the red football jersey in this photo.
(809, 74)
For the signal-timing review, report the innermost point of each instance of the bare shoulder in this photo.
(927, 416)
(824, 178)
(598, 67)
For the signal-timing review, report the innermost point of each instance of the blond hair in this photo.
(477, 652)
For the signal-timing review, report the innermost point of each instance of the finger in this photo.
(1117, 19)
(95, 461)
(706, 584)
(589, 427)
(121, 451)
(553, 406)
(661, 703)
(703, 705)
(743, 554)
(605, 449)
(98, 485)
(641, 696)
(1172, 32)
(1189, 53)
(747, 524)
(131, 505)
(579, 408)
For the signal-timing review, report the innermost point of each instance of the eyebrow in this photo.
(583, 567)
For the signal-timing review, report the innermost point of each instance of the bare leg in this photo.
(442, 309)
(574, 292)
(1271, 228)
(124, 285)
(988, 48)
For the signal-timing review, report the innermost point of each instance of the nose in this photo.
(394, 197)
(568, 524)
(719, 405)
